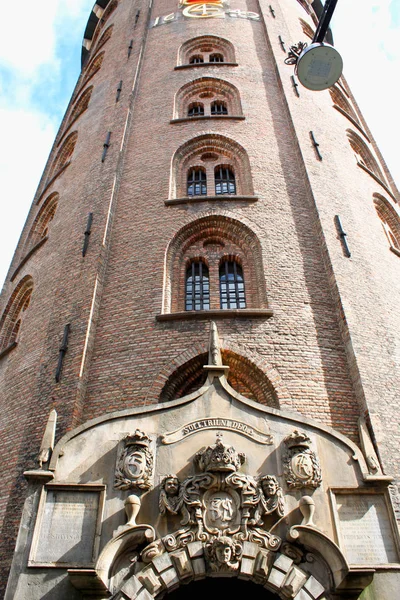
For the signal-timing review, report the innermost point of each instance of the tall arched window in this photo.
(224, 180)
(197, 287)
(196, 60)
(218, 107)
(195, 109)
(10, 322)
(39, 229)
(216, 58)
(197, 182)
(231, 285)
(64, 155)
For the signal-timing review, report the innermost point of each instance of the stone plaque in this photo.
(365, 528)
(67, 529)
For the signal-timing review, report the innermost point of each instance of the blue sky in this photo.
(40, 61)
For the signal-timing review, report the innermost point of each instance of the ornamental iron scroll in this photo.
(220, 507)
(134, 469)
(300, 463)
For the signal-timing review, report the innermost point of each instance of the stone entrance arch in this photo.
(220, 587)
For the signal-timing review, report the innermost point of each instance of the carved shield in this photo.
(221, 511)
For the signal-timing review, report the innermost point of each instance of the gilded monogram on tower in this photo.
(135, 464)
(300, 463)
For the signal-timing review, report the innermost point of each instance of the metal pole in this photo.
(324, 21)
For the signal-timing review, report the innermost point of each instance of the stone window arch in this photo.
(213, 239)
(208, 91)
(364, 155)
(341, 102)
(39, 229)
(197, 286)
(208, 151)
(12, 317)
(79, 108)
(390, 222)
(204, 47)
(112, 6)
(63, 158)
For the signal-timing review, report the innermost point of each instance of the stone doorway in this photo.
(217, 588)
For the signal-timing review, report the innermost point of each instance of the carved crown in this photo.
(297, 439)
(139, 438)
(219, 457)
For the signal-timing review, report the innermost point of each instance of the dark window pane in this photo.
(224, 181)
(196, 182)
(197, 296)
(231, 283)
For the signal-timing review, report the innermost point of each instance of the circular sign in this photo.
(319, 66)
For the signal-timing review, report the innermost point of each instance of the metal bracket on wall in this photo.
(271, 10)
(316, 146)
(87, 233)
(295, 85)
(106, 146)
(119, 90)
(342, 235)
(130, 48)
(63, 350)
(282, 43)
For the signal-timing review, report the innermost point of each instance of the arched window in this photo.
(307, 29)
(64, 155)
(223, 160)
(195, 109)
(390, 221)
(364, 155)
(197, 182)
(104, 38)
(78, 109)
(103, 19)
(196, 60)
(218, 107)
(39, 229)
(231, 285)
(197, 287)
(207, 49)
(91, 69)
(215, 96)
(224, 180)
(340, 101)
(12, 317)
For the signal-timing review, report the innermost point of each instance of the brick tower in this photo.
(203, 300)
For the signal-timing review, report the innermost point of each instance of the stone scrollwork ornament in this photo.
(300, 463)
(220, 507)
(134, 468)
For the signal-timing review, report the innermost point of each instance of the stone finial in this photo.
(214, 351)
(49, 435)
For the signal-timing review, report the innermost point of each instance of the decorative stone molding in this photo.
(134, 468)
(300, 463)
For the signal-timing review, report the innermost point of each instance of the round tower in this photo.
(193, 180)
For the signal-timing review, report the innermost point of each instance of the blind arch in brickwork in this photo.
(243, 376)
(211, 239)
(39, 229)
(207, 90)
(208, 151)
(364, 154)
(10, 322)
(390, 221)
(64, 156)
(205, 46)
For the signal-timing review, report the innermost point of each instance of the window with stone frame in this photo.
(197, 182)
(13, 315)
(231, 253)
(195, 109)
(231, 285)
(215, 97)
(224, 180)
(221, 159)
(197, 286)
(390, 220)
(207, 49)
